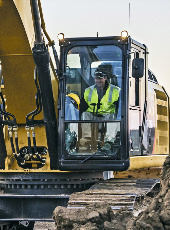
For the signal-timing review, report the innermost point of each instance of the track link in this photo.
(118, 193)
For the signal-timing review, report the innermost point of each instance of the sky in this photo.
(148, 23)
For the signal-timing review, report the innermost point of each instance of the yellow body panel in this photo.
(16, 42)
(17, 61)
(139, 162)
(161, 141)
(140, 173)
(143, 167)
(24, 10)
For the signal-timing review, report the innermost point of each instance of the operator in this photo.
(100, 101)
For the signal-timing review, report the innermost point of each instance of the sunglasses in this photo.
(99, 74)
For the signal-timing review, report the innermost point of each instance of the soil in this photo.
(44, 226)
(157, 215)
(92, 217)
(149, 213)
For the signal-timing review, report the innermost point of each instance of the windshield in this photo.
(93, 100)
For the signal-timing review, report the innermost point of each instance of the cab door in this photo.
(91, 137)
(137, 101)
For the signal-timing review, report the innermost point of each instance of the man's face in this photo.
(100, 82)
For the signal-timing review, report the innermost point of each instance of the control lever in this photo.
(94, 106)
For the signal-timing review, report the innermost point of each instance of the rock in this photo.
(131, 223)
(154, 220)
(142, 225)
(149, 221)
(94, 217)
(167, 227)
(165, 216)
(65, 218)
(105, 212)
(112, 225)
(152, 206)
(87, 226)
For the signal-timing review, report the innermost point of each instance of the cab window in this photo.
(93, 100)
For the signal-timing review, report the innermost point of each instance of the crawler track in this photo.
(118, 193)
(38, 194)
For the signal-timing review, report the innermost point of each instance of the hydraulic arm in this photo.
(41, 58)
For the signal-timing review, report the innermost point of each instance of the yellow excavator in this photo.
(49, 148)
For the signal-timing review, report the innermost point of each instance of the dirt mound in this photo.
(101, 217)
(93, 217)
(157, 214)
(141, 205)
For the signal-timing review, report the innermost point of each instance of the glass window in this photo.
(93, 99)
(88, 138)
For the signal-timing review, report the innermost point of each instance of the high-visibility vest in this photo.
(107, 102)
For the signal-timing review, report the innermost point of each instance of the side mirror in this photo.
(138, 67)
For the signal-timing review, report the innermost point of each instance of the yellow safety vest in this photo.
(107, 102)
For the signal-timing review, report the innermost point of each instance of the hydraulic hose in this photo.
(38, 96)
(11, 140)
(34, 141)
(38, 157)
(12, 124)
(50, 42)
(16, 140)
(3, 152)
(35, 146)
(30, 123)
(37, 26)
(29, 144)
(38, 102)
(17, 156)
(29, 141)
(43, 24)
(5, 113)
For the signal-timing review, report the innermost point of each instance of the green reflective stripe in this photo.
(112, 87)
(90, 93)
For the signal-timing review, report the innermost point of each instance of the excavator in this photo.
(48, 148)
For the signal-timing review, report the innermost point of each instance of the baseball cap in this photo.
(103, 70)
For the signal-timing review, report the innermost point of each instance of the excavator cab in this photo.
(93, 127)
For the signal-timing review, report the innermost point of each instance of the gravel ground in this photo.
(44, 226)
